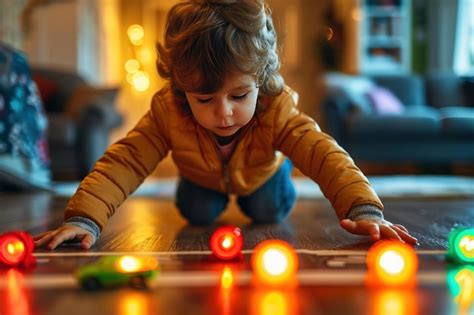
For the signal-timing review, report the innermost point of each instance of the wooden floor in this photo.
(155, 227)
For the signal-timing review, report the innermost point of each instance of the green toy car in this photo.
(114, 271)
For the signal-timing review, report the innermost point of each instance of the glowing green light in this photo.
(461, 245)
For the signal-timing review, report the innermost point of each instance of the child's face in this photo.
(228, 109)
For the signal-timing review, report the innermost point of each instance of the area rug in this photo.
(398, 186)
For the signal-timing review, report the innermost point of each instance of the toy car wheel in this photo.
(138, 282)
(91, 283)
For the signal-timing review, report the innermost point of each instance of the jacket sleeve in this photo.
(122, 168)
(319, 157)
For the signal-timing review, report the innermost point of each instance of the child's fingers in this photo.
(39, 236)
(374, 231)
(401, 227)
(386, 231)
(405, 235)
(87, 241)
(348, 225)
(61, 236)
(45, 239)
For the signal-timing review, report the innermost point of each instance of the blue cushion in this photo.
(416, 123)
(457, 121)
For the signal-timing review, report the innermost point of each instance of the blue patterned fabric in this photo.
(24, 161)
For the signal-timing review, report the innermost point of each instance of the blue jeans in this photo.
(270, 203)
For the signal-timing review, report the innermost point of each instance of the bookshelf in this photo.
(385, 36)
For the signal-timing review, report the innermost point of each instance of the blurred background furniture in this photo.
(392, 119)
(80, 119)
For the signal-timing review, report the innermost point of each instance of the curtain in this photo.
(99, 41)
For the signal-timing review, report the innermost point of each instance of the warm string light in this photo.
(138, 78)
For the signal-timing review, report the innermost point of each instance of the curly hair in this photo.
(206, 39)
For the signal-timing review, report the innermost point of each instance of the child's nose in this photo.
(224, 109)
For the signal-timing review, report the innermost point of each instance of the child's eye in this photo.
(239, 97)
(204, 100)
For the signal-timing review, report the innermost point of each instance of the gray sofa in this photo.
(435, 127)
(80, 119)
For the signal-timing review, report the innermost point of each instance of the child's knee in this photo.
(200, 214)
(268, 214)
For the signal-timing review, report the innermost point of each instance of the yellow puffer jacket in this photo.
(279, 129)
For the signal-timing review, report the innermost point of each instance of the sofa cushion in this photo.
(444, 89)
(355, 88)
(384, 102)
(408, 88)
(417, 123)
(457, 121)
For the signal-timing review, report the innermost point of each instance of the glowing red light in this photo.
(16, 249)
(227, 242)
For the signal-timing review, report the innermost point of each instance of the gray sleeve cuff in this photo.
(84, 223)
(365, 212)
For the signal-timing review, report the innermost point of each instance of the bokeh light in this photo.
(392, 263)
(274, 262)
(136, 34)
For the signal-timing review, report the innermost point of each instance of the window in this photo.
(464, 49)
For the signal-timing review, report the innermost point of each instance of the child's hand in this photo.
(51, 239)
(378, 229)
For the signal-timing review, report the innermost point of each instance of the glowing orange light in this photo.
(392, 263)
(227, 278)
(274, 262)
(134, 264)
(394, 302)
(132, 303)
(15, 299)
(274, 302)
(129, 264)
(226, 242)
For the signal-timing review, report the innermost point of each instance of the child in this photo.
(229, 121)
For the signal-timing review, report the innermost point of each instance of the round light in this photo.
(16, 250)
(140, 81)
(132, 65)
(274, 262)
(392, 263)
(12, 250)
(226, 242)
(136, 34)
(461, 245)
(129, 264)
